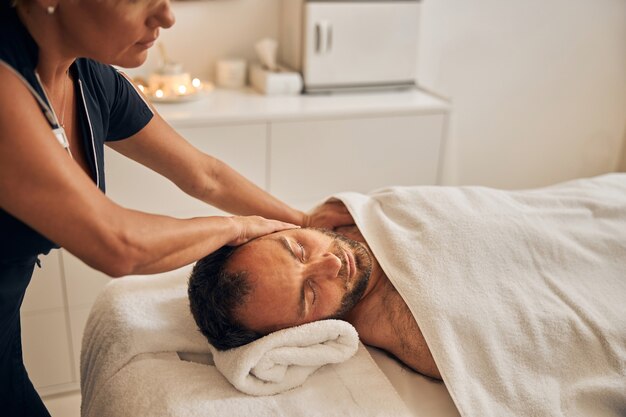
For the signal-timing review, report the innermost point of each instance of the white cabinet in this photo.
(132, 185)
(45, 291)
(83, 284)
(47, 351)
(313, 159)
(301, 149)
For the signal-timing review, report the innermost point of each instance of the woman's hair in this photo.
(16, 3)
(214, 296)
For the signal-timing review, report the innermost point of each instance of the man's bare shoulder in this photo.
(384, 320)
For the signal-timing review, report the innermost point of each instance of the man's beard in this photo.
(363, 263)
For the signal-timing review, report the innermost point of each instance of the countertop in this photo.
(222, 106)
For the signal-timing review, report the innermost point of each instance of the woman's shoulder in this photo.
(100, 81)
(112, 95)
(94, 71)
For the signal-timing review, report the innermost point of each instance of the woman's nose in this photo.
(164, 17)
(326, 266)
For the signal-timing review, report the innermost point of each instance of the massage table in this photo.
(423, 396)
(521, 298)
(142, 354)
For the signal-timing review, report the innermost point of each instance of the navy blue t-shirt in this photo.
(108, 108)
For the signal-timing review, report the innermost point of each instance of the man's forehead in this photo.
(256, 256)
(254, 246)
(252, 255)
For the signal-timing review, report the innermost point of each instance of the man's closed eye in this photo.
(310, 284)
(302, 252)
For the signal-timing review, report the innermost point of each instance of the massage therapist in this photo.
(60, 101)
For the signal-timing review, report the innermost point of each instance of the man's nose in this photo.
(327, 266)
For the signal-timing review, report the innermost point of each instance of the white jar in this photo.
(230, 73)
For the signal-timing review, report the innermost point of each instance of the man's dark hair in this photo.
(214, 295)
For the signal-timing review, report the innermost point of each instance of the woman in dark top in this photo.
(60, 102)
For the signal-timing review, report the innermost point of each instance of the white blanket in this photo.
(130, 364)
(520, 295)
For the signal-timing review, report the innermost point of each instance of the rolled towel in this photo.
(284, 359)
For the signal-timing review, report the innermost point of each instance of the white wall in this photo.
(208, 30)
(538, 87)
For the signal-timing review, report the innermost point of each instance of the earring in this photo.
(50, 9)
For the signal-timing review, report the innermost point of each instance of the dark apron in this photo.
(17, 395)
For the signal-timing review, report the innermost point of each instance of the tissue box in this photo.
(283, 81)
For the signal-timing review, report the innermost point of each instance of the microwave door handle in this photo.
(318, 37)
(321, 37)
(329, 37)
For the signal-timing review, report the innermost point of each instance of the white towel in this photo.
(520, 295)
(130, 365)
(283, 360)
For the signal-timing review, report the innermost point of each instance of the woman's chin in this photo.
(132, 60)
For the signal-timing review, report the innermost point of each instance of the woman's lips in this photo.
(150, 40)
(148, 43)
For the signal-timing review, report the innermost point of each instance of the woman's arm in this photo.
(159, 147)
(43, 187)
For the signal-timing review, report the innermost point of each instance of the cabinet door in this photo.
(45, 340)
(46, 348)
(45, 291)
(130, 184)
(311, 160)
(83, 286)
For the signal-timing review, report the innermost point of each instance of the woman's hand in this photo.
(329, 215)
(250, 227)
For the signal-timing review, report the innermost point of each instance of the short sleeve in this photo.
(128, 112)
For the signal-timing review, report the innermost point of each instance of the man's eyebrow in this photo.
(285, 244)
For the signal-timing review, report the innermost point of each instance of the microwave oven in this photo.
(350, 44)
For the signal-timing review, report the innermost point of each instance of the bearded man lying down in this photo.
(297, 276)
(515, 299)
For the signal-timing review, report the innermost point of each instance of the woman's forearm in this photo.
(228, 190)
(144, 243)
(130, 242)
